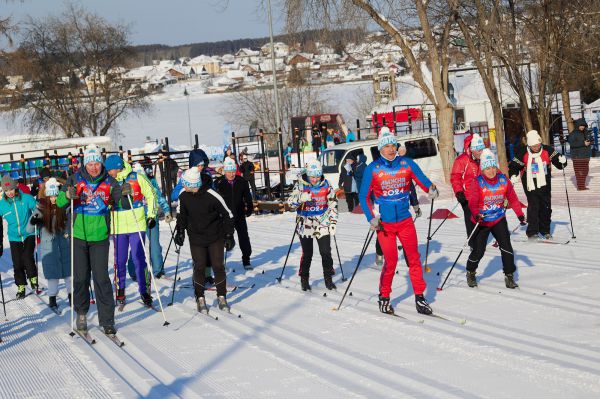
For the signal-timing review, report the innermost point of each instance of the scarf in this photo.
(541, 172)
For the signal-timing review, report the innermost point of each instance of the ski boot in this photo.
(81, 323)
(121, 298)
(52, 302)
(379, 260)
(510, 282)
(546, 236)
(471, 280)
(147, 299)
(248, 266)
(384, 305)
(329, 283)
(422, 305)
(109, 330)
(201, 305)
(34, 284)
(159, 274)
(304, 283)
(223, 305)
(21, 291)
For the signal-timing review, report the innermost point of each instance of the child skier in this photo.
(317, 212)
(384, 197)
(236, 193)
(209, 224)
(487, 197)
(16, 208)
(129, 227)
(55, 228)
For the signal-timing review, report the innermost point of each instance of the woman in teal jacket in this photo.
(16, 208)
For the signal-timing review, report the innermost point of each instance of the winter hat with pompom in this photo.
(92, 154)
(229, 165)
(314, 168)
(487, 159)
(477, 143)
(385, 138)
(191, 178)
(52, 187)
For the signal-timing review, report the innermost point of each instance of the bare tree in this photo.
(258, 105)
(407, 22)
(72, 67)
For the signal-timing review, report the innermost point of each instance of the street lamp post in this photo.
(187, 97)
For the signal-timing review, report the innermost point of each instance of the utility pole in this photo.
(187, 97)
(277, 110)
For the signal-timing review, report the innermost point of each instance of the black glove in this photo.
(522, 220)
(151, 223)
(179, 237)
(126, 189)
(72, 193)
(460, 196)
(229, 242)
(37, 221)
(479, 218)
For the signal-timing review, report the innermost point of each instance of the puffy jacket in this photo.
(124, 220)
(317, 217)
(577, 139)
(204, 215)
(162, 202)
(236, 195)
(464, 169)
(518, 165)
(385, 189)
(92, 216)
(247, 170)
(487, 197)
(17, 211)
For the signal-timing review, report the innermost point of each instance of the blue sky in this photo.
(166, 21)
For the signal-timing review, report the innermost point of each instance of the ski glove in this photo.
(179, 237)
(229, 242)
(168, 218)
(514, 179)
(37, 220)
(72, 193)
(332, 228)
(522, 220)
(305, 197)
(433, 192)
(126, 189)
(418, 212)
(376, 223)
(563, 160)
(460, 196)
(151, 223)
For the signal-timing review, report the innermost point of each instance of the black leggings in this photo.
(324, 243)
(200, 255)
(23, 263)
(479, 242)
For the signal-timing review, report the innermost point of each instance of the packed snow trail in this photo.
(539, 341)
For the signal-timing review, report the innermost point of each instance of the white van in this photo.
(423, 149)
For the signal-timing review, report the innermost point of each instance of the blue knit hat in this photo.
(314, 168)
(385, 138)
(191, 178)
(52, 187)
(92, 154)
(229, 165)
(114, 162)
(487, 159)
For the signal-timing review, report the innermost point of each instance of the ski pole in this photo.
(177, 251)
(2, 290)
(162, 310)
(289, 249)
(72, 273)
(169, 247)
(568, 204)
(427, 268)
(339, 260)
(459, 254)
(368, 239)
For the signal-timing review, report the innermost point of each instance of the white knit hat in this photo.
(385, 138)
(92, 154)
(52, 187)
(229, 165)
(533, 138)
(487, 159)
(191, 178)
(477, 143)
(314, 168)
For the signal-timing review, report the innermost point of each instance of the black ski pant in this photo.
(243, 239)
(90, 259)
(539, 211)
(324, 243)
(200, 255)
(351, 200)
(479, 242)
(23, 262)
(468, 222)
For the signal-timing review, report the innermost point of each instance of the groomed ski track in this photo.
(539, 341)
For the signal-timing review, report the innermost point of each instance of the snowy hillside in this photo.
(539, 341)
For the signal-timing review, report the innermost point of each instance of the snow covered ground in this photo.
(539, 341)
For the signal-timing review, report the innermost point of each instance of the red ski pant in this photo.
(407, 234)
